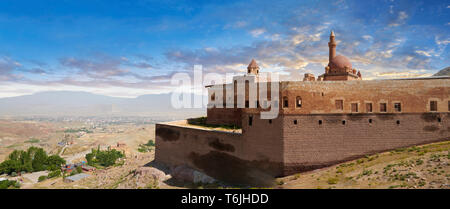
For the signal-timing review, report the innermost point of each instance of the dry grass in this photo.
(424, 166)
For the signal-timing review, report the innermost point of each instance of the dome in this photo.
(339, 62)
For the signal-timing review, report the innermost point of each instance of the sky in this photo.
(130, 48)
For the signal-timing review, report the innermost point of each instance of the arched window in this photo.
(298, 102)
(213, 96)
(285, 102)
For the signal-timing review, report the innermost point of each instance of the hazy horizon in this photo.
(77, 103)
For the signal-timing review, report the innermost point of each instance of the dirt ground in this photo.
(421, 167)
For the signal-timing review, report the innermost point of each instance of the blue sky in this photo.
(130, 48)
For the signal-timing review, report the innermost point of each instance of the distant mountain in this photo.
(443, 72)
(71, 103)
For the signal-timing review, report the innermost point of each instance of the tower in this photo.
(339, 67)
(332, 45)
(253, 68)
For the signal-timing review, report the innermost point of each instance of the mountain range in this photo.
(72, 103)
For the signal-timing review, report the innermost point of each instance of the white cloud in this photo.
(424, 53)
(399, 20)
(257, 32)
(376, 72)
(367, 37)
(402, 15)
(298, 39)
(387, 53)
(210, 49)
(441, 42)
(273, 37)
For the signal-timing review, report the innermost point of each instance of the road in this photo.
(62, 150)
(72, 157)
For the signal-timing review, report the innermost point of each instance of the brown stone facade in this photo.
(239, 158)
(283, 147)
(322, 140)
(319, 97)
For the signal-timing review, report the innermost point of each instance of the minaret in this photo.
(253, 68)
(332, 45)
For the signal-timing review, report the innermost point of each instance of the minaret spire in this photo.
(332, 45)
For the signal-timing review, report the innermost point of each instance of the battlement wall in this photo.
(322, 140)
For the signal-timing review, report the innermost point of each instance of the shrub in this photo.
(421, 183)
(79, 169)
(332, 180)
(366, 172)
(54, 174)
(7, 184)
(435, 157)
(280, 182)
(419, 162)
(146, 147)
(42, 178)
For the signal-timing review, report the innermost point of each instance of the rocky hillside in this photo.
(443, 72)
(418, 167)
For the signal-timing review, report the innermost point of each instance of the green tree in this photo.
(54, 162)
(90, 158)
(40, 160)
(79, 169)
(26, 162)
(34, 159)
(9, 166)
(105, 158)
(53, 174)
(15, 155)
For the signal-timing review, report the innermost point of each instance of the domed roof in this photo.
(339, 62)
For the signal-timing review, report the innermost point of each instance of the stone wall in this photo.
(318, 97)
(311, 144)
(222, 155)
(224, 116)
(293, 143)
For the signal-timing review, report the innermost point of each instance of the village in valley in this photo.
(129, 144)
